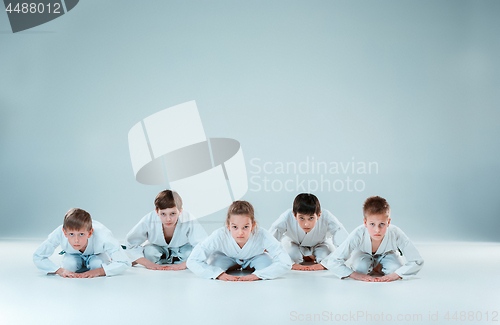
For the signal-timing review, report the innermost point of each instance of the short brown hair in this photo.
(168, 199)
(307, 204)
(241, 208)
(76, 219)
(376, 205)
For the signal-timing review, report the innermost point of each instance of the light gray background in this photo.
(412, 85)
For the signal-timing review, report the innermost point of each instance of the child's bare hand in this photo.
(226, 277)
(250, 277)
(361, 277)
(388, 278)
(176, 267)
(314, 267)
(93, 273)
(157, 267)
(298, 267)
(67, 274)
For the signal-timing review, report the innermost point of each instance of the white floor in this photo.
(457, 277)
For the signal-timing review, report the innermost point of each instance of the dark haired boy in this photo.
(306, 230)
(90, 249)
(164, 238)
(375, 247)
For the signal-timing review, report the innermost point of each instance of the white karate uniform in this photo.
(147, 239)
(101, 246)
(363, 261)
(320, 241)
(219, 251)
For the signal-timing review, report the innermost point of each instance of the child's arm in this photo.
(278, 228)
(339, 234)
(281, 260)
(414, 262)
(335, 262)
(196, 234)
(46, 249)
(197, 261)
(119, 260)
(135, 238)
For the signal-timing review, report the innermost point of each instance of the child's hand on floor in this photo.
(226, 277)
(176, 267)
(362, 277)
(157, 267)
(93, 273)
(250, 277)
(388, 278)
(314, 267)
(67, 274)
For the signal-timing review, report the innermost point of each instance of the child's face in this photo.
(377, 225)
(78, 239)
(307, 222)
(169, 216)
(240, 226)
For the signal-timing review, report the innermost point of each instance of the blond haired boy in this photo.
(90, 249)
(374, 248)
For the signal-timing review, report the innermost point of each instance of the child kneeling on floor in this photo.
(239, 244)
(307, 231)
(90, 249)
(164, 238)
(374, 248)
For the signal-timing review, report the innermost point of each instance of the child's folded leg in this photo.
(154, 253)
(259, 262)
(362, 263)
(72, 262)
(390, 263)
(321, 251)
(182, 253)
(222, 261)
(97, 261)
(293, 249)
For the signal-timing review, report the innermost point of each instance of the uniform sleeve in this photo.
(414, 262)
(135, 238)
(281, 260)
(42, 254)
(196, 233)
(197, 261)
(335, 262)
(119, 260)
(278, 228)
(339, 234)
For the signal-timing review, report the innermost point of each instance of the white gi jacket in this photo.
(221, 241)
(394, 240)
(101, 241)
(327, 226)
(150, 228)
